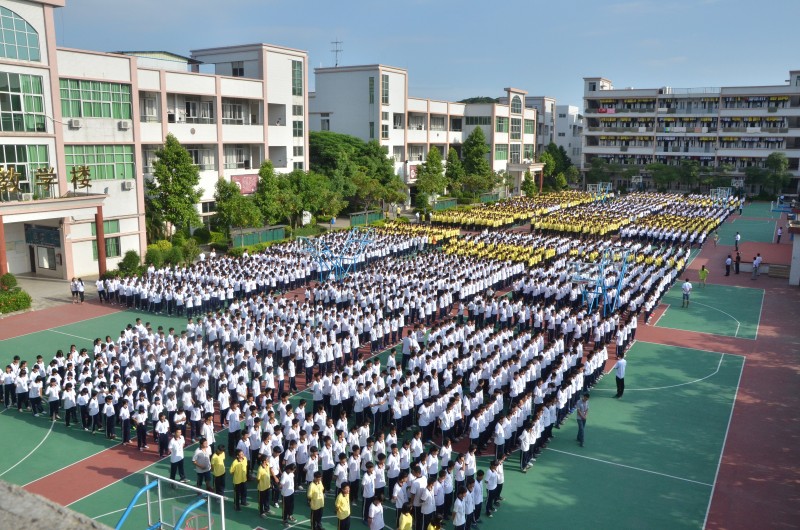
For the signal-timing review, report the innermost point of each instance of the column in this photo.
(101, 241)
(3, 257)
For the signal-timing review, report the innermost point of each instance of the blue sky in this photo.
(457, 49)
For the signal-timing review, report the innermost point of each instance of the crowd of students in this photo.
(467, 368)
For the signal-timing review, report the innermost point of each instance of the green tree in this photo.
(368, 189)
(663, 175)
(454, 171)
(529, 185)
(756, 176)
(598, 171)
(475, 150)
(689, 172)
(430, 174)
(572, 174)
(550, 166)
(226, 194)
(245, 213)
(311, 192)
(172, 191)
(266, 197)
(778, 167)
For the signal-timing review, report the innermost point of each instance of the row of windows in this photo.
(297, 78)
(106, 162)
(25, 159)
(18, 39)
(478, 120)
(112, 248)
(95, 99)
(21, 103)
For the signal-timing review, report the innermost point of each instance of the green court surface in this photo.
(650, 458)
(716, 309)
(751, 230)
(760, 209)
(81, 334)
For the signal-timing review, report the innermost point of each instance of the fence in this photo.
(490, 197)
(365, 218)
(444, 204)
(258, 235)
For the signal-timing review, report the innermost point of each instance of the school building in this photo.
(79, 130)
(372, 102)
(737, 127)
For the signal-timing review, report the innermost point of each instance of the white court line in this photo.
(71, 464)
(62, 326)
(738, 324)
(760, 310)
(634, 468)
(661, 315)
(724, 441)
(69, 335)
(33, 451)
(715, 372)
(704, 333)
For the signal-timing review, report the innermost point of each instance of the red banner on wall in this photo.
(247, 183)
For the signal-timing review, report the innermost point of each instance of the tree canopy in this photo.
(172, 194)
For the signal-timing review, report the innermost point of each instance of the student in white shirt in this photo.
(175, 448)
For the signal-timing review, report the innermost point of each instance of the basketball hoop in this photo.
(198, 522)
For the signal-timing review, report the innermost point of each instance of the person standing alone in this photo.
(620, 368)
(728, 263)
(736, 240)
(582, 408)
(780, 233)
(686, 288)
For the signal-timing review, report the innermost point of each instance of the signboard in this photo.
(247, 183)
(45, 236)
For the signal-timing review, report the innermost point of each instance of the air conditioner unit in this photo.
(127, 185)
(75, 123)
(124, 125)
(27, 196)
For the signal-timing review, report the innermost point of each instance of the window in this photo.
(561, 115)
(95, 99)
(109, 227)
(297, 165)
(297, 150)
(232, 114)
(25, 159)
(237, 68)
(21, 103)
(149, 109)
(516, 128)
(592, 86)
(372, 129)
(529, 127)
(416, 153)
(203, 158)
(106, 162)
(325, 124)
(371, 90)
(527, 151)
(384, 116)
(397, 153)
(208, 207)
(515, 153)
(297, 78)
(455, 124)
(478, 120)
(297, 110)
(502, 125)
(112, 248)
(398, 120)
(18, 39)
(148, 159)
(385, 131)
(297, 129)
(501, 152)
(437, 123)
(516, 105)
(235, 157)
(562, 134)
(385, 89)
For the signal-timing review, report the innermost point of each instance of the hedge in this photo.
(15, 300)
(7, 282)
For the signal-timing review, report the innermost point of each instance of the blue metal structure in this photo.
(340, 261)
(133, 503)
(592, 279)
(601, 191)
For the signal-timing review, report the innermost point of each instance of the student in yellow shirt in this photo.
(239, 474)
(316, 500)
(343, 508)
(218, 469)
(264, 487)
(406, 520)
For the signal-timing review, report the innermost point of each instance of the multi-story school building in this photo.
(79, 130)
(716, 126)
(372, 102)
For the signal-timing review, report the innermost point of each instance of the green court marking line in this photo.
(724, 442)
(631, 467)
(46, 436)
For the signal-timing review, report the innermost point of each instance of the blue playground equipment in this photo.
(339, 262)
(601, 191)
(591, 277)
